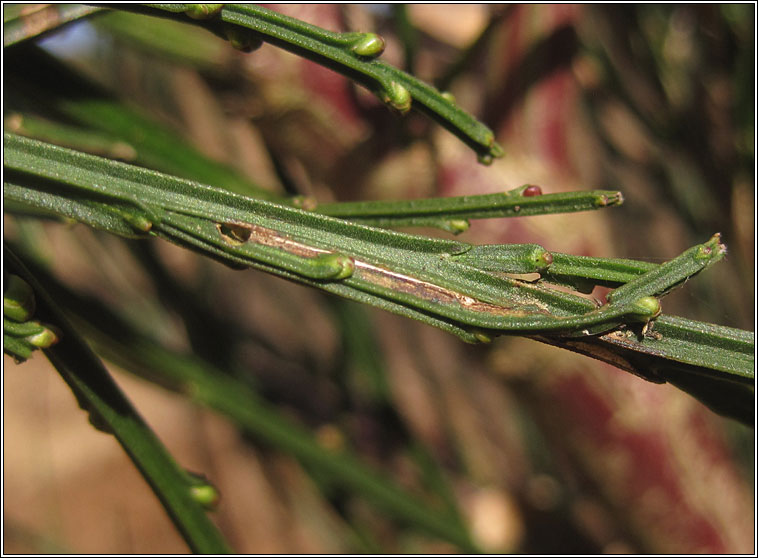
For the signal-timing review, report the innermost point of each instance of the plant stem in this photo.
(216, 389)
(342, 52)
(448, 284)
(111, 411)
(520, 202)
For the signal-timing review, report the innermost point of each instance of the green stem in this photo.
(667, 276)
(523, 201)
(216, 389)
(384, 266)
(346, 53)
(610, 272)
(17, 348)
(97, 393)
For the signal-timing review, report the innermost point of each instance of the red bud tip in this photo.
(532, 191)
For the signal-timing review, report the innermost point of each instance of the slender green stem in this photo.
(109, 409)
(507, 258)
(452, 213)
(17, 348)
(610, 272)
(671, 274)
(353, 55)
(383, 266)
(723, 349)
(216, 389)
(447, 284)
(21, 329)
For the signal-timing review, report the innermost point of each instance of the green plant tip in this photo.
(398, 97)
(646, 308)
(457, 226)
(44, 339)
(206, 495)
(18, 301)
(485, 158)
(139, 222)
(542, 259)
(495, 151)
(333, 266)
(449, 97)
(711, 249)
(370, 45)
(482, 337)
(617, 198)
(203, 11)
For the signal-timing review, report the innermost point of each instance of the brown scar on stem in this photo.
(429, 291)
(239, 233)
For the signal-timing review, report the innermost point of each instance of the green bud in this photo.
(44, 339)
(507, 258)
(333, 266)
(542, 259)
(482, 337)
(398, 97)
(457, 226)
(202, 491)
(18, 300)
(203, 11)
(139, 222)
(449, 97)
(646, 308)
(496, 149)
(604, 200)
(485, 158)
(369, 45)
(207, 496)
(711, 249)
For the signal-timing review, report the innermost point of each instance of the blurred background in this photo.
(536, 449)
